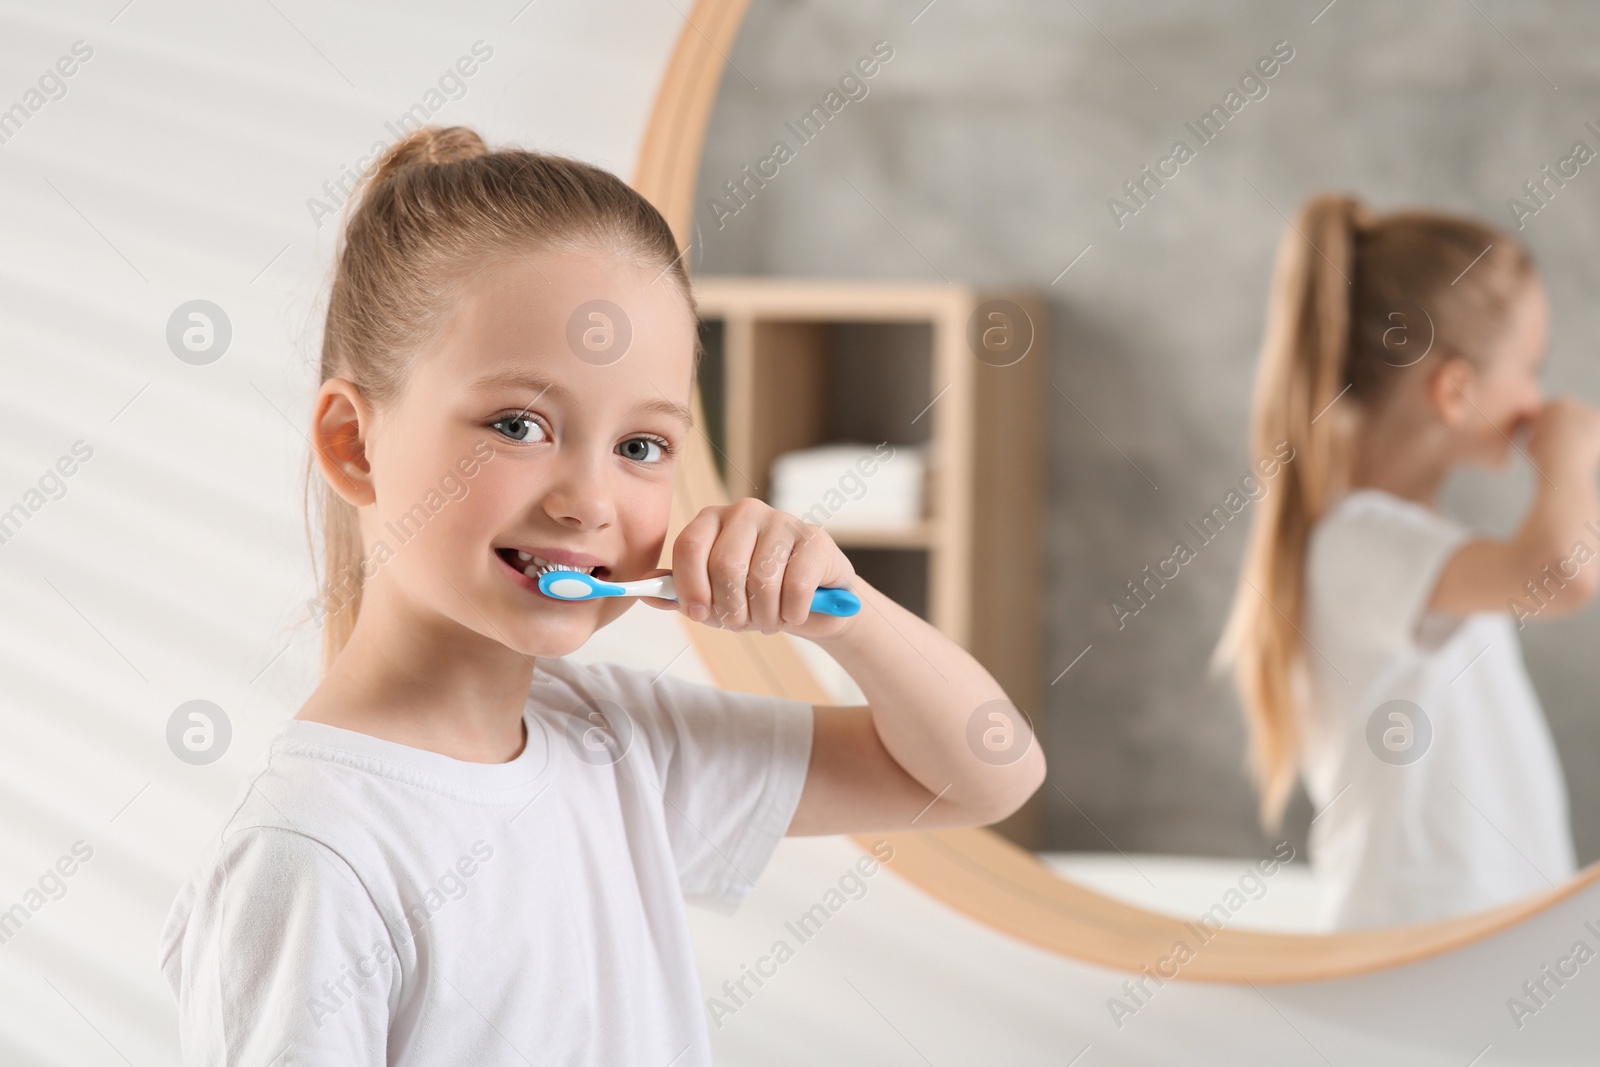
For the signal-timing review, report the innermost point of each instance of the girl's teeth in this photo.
(539, 566)
(523, 556)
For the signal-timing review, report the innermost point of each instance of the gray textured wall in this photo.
(985, 151)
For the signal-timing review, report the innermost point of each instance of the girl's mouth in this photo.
(533, 566)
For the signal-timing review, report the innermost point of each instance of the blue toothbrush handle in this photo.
(829, 600)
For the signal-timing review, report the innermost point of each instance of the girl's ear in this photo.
(341, 427)
(1450, 388)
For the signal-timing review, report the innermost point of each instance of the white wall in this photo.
(178, 165)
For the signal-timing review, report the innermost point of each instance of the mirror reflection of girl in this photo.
(1356, 591)
(466, 848)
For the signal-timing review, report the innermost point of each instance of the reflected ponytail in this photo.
(1328, 356)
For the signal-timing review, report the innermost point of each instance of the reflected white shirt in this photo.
(1479, 818)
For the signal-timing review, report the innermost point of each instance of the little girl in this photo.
(1373, 639)
(465, 848)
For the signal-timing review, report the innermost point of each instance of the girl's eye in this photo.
(515, 427)
(637, 448)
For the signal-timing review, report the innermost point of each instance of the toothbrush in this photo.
(576, 585)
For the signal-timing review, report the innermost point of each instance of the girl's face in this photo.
(546, 421)
(1506, 394)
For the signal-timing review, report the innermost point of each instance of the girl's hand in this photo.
(747, 566)
(1565, 434)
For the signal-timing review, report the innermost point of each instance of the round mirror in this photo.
(853, 159)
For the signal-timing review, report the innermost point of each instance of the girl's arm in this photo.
(931, 710)
(1561, 531)
(938, 743)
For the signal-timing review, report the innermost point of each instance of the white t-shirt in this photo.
(1412, 827)
(370, 903)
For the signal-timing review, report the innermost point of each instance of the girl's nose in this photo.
(580, 495)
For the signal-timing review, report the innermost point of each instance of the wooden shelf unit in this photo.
(793, 363)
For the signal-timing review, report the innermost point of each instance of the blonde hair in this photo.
(432, 210)
(1344, 282)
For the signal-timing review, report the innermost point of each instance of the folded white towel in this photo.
(850, 484)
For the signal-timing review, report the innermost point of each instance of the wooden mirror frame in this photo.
(977, 871)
